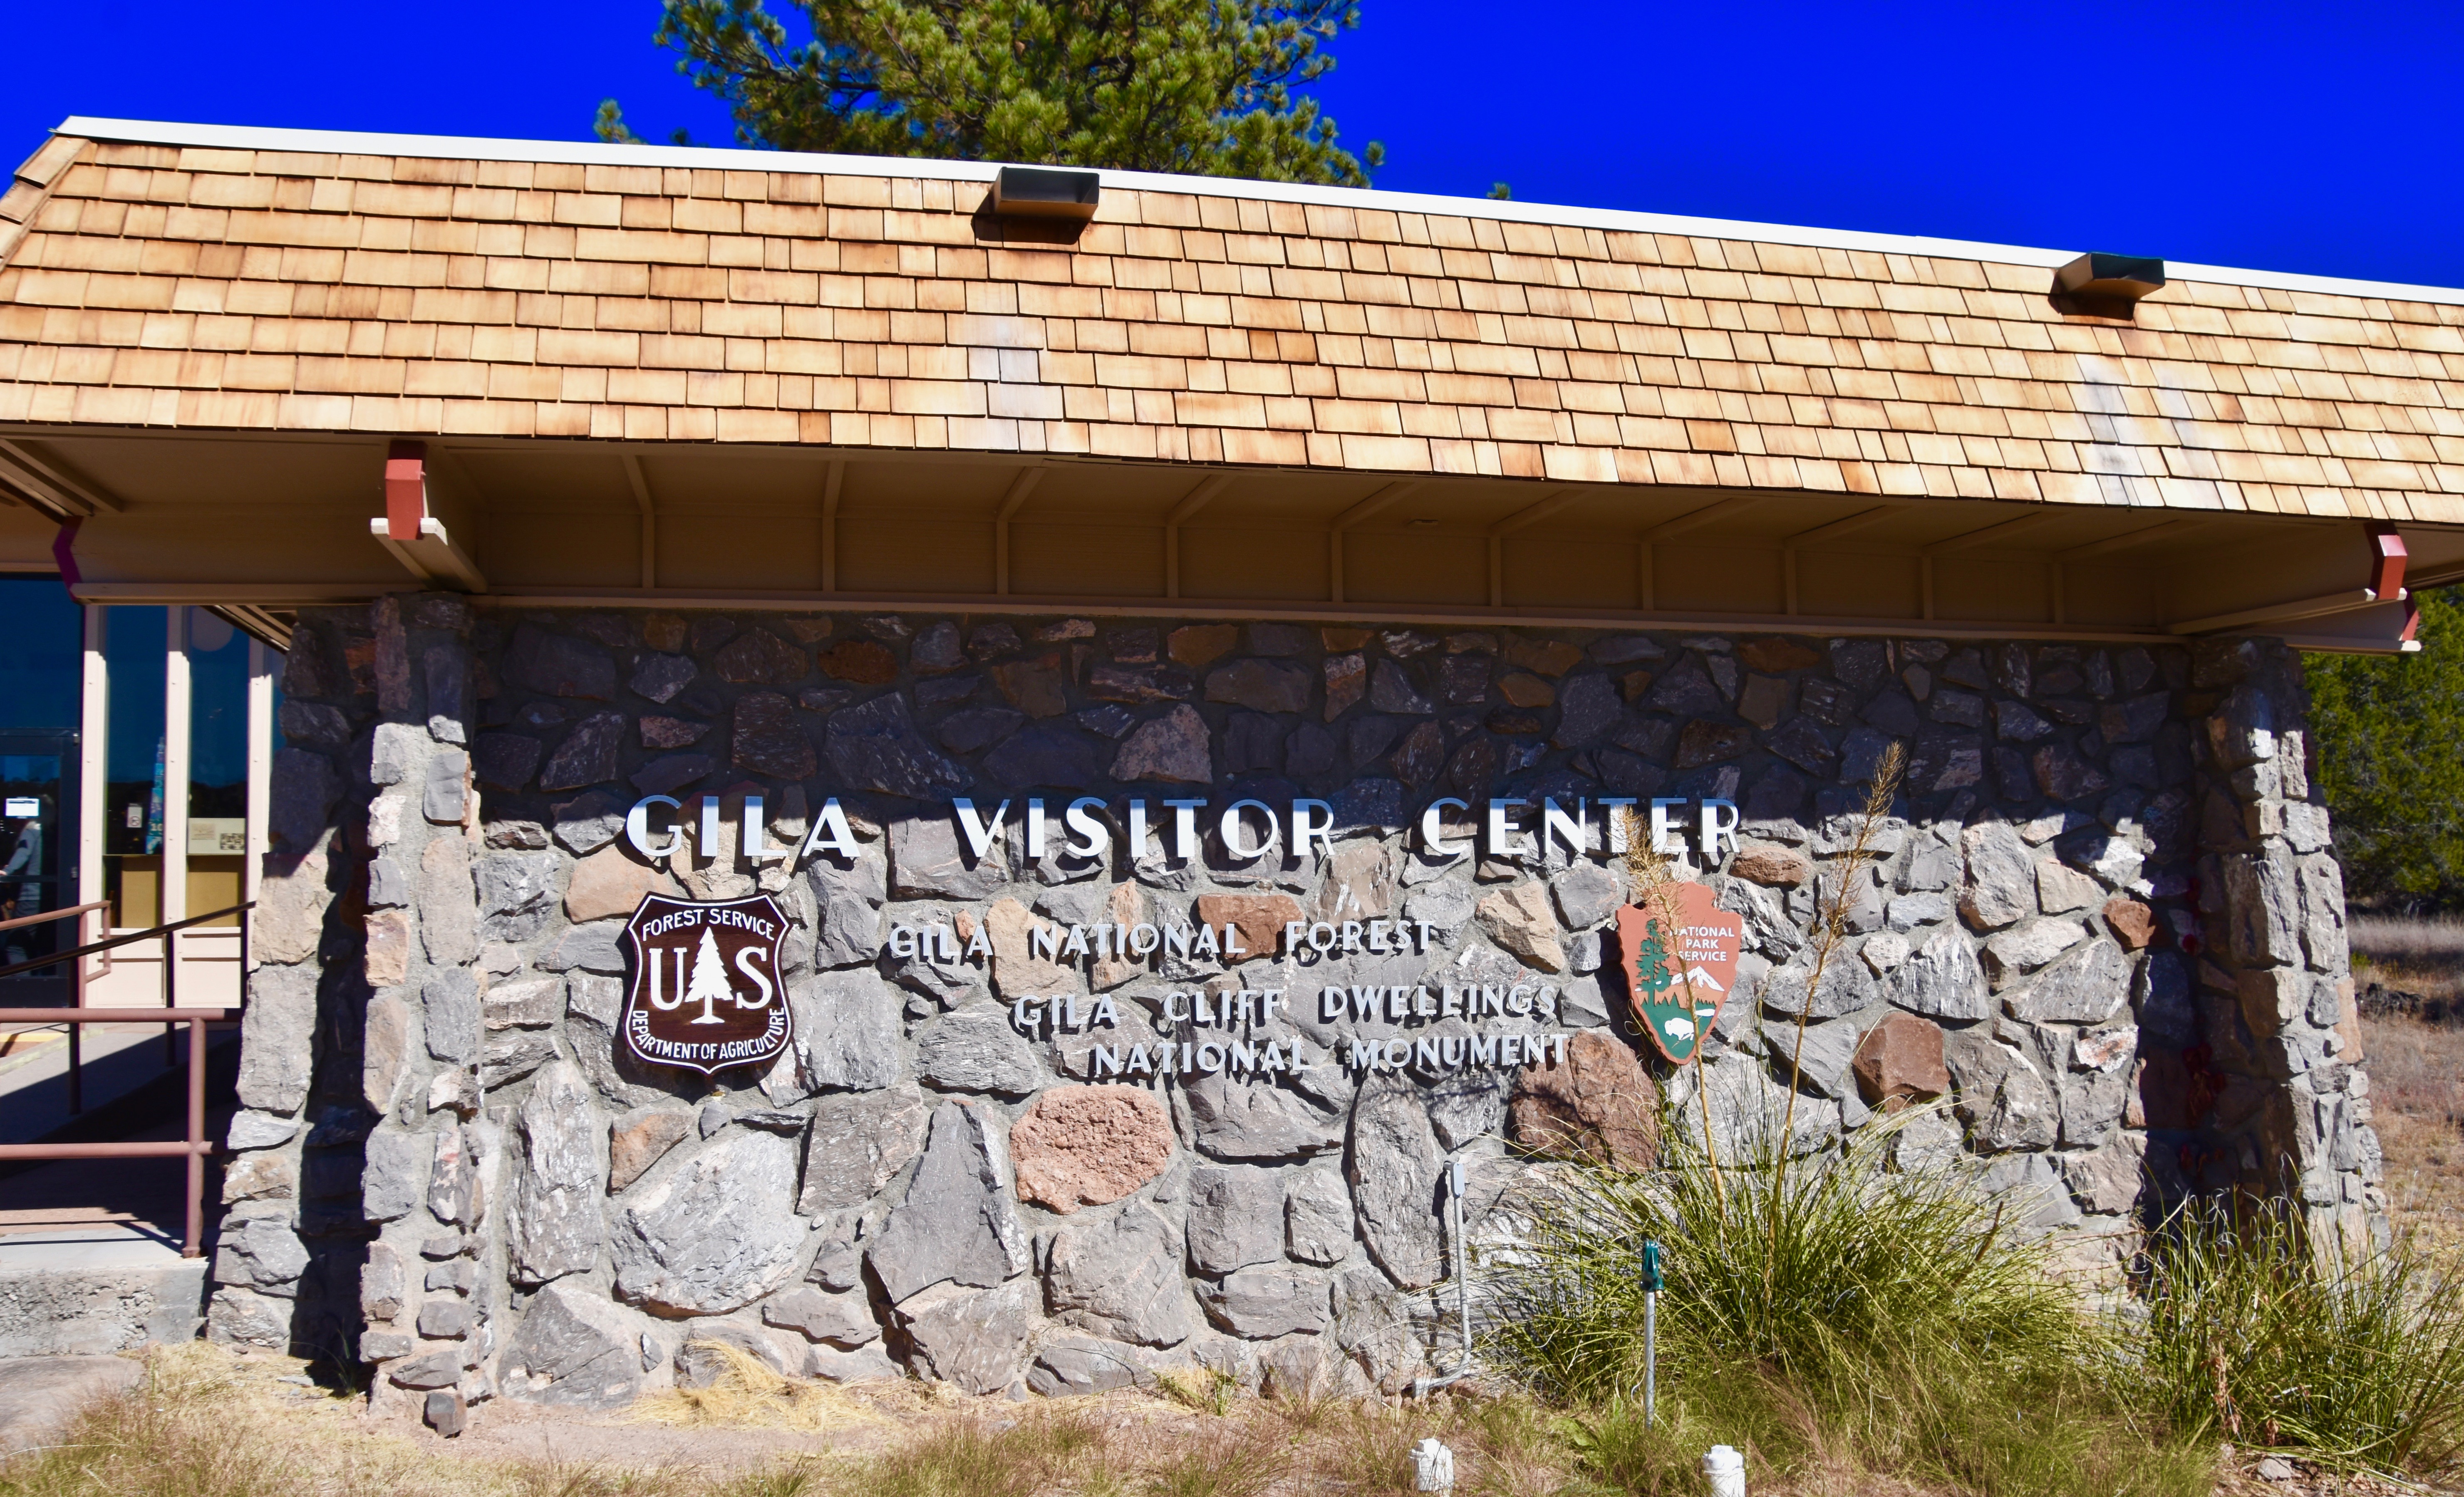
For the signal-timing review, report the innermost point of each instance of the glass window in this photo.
(134, 646)
(217, 764)
(40, 654)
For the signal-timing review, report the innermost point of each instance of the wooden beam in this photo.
(51, 485)
(1998, 532)
(1353, 516)
(1020, 487)
(2162, 530)
(1847, 525)
(1197, 499)
(833, 481)
(650, 509)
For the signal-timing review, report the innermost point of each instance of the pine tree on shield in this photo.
(709, 984)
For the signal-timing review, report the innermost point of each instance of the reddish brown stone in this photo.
(1777, 654)
(1764, 863)
(663, 632)
(1900, 1061)
(1706, 742)
(769, 740)
(1340, 640)
(1260, 918)
(1088, 1146)
(1526, 690)
(1599, 1106)
(2133, 924)
(670, 733)
(1198, 644)
(636, 1141)
(1634, 684)
(1347, 677)
(861, 661)
(1033, 686)
(1548, 657)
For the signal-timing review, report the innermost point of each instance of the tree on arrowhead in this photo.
(709, 983)
(1651, 974)
(1194, 86)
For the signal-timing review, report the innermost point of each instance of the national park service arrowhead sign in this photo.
(1679, 977)
(706, 993)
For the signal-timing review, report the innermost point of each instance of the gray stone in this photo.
(574, 1350)
(1587, 707)
(1257, 1304)
(449, 914)
(2091, 1104)
(971, 1338)
(717, 1233)
(1171, 748)
(516, 893)
(1054, 755)
(277, 1038)
(843, 1320)
(2013, 953)
(251, 1129)
(1122, 1279)
(505, 761)
(1944, 980)
(2162, 992)
(438, 1369)
(305, 788)
(589, 822)
(1235, 1217)
(846, 1033)
(445, 792)
(2031, 1182)
(530, 1005)
(956, 1222)
(874, 746)
(1847, 986)
(1587, 893)
(395, 751)
(976, 1049)
(2001, 885)
(507, 1056)
(2003, 1099)
(1237, 1120)
(445, 1320)
(557, 666)
(1469, 1104)
(554, 1228)
(1317, 1217)
(1391, 690)
(848, 896)
(1392, 1165)
(2088, 986)
(450, 1016)
(660, 677)
(263, 1253)
(2106, 1181)
(394, 1179)
(927, 859)
(1079, 1365)
(1823, 1061)
(588, 755)
(452, 1176)
(595, 947)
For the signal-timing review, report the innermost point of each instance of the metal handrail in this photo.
(196, 1146)
(36, 919)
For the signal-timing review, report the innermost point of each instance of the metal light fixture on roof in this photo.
(1046, 192)
(2107, 285)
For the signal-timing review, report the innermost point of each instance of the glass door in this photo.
(38, 871)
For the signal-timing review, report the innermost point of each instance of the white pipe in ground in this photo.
(1726, 1472)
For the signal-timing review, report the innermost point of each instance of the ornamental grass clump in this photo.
(1823, 1312)
(2260, 1333)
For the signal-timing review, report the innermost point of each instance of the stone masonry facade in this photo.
(2103, 923)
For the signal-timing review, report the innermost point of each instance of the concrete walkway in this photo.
(39, 1394)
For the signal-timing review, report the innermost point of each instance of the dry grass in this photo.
(2417, 1071)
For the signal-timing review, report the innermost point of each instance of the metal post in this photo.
(1462, 1277)
(1651, 1286)
(193, 1246)
(170, 996)
(77, 1032)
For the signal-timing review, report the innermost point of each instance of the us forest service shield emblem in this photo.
(706, 992)
(1679, 977)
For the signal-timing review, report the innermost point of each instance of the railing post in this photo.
(77, 1031)
(193, 1245)
(170, 994)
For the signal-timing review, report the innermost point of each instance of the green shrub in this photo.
(1824, 1311)
(2258, 1334)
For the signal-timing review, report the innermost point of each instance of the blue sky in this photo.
(2314, 137)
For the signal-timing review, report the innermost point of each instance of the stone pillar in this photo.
(358, 1083)
(2281, 1062)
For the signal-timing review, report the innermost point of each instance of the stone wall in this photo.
(2102, 919)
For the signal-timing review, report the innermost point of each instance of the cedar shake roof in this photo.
(198, 280)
